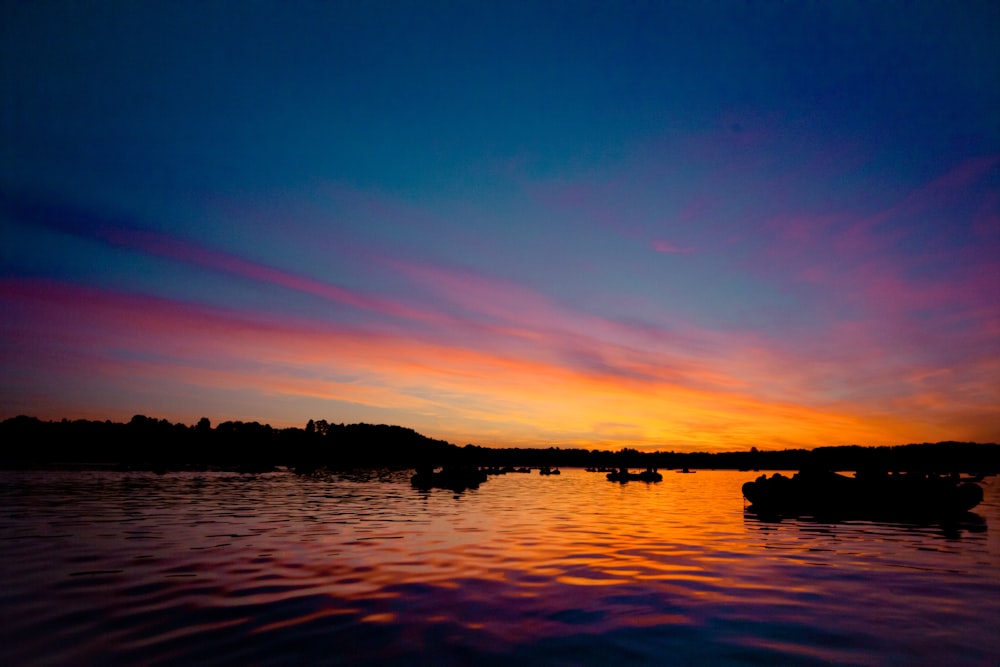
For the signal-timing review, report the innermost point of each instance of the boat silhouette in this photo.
(822, 493)
(457, 478)
(623, 475)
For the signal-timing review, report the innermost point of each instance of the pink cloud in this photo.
(660, 245)
(157, 244)
(736, 390)
(162, 245)
(953, 184)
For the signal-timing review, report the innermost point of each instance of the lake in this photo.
(361, 569)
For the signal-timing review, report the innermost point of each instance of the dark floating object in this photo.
(497, 470)
(549, 471)
(826, 494)
(623, 475)
(456, 479)
(686, 471)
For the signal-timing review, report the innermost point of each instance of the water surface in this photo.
(222, 568)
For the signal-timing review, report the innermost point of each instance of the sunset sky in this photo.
(675, 226)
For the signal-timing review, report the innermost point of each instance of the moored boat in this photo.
(828, 494)
(623, 475)
(456, 479)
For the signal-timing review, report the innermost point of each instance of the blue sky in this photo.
(656, 224)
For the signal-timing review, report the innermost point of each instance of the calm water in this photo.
(218, 568)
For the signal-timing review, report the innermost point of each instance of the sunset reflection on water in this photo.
(364, 569)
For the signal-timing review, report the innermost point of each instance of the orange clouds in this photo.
(461, 393)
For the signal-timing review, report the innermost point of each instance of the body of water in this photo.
(221, 568)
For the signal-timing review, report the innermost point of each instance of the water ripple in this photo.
(218, 568)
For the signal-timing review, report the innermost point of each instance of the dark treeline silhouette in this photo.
(149, 443)
(927, 457)
(146, 442)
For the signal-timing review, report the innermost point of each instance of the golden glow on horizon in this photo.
(464, 394)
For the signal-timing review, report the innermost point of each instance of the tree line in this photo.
(149, 443)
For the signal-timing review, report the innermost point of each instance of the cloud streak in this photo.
(660, 245)
(891, 355)
(147, 342)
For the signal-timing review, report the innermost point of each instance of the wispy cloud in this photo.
(435, 385)
(660, 245)
(883, 355)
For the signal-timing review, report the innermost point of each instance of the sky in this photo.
(661, 225)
